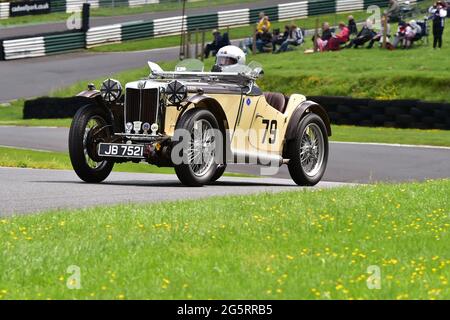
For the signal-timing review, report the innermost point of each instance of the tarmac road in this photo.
(26, 30)
(27, 190)
(348, 162)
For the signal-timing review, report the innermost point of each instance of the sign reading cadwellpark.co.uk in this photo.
(23, 8)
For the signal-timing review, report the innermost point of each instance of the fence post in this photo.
(196, 44)
(254, 41)
(384, 21)
(316, 35)
(188, 44)
(203, 45)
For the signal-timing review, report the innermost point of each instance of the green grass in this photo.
(297, 245)
(391, 135)
(115, 11)
(24, 158)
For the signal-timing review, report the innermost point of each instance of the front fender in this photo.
(302, 110)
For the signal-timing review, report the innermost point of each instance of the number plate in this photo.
(121, 150)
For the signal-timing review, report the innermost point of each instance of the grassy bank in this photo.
(298, 245)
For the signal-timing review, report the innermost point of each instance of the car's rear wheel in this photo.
(198, 153)
(89, 127)
(308, 152)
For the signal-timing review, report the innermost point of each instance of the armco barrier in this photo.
(386, 113)
(39, 45)
(4, 10)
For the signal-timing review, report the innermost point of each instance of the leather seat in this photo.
(276, 100)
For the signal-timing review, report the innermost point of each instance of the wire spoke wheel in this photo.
(201, 150)
(311, 149)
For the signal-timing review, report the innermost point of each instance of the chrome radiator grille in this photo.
(142, 105)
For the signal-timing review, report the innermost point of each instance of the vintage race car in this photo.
(198, 122)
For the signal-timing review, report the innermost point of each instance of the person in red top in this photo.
(340, 38)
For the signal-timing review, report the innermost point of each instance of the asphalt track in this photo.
(348, 162)
(38, 28)
(27, 190)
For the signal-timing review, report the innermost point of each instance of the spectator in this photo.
(263, 21)
(363, 36)
(438, 13)
(413, 33)
(215, 45)
(279, 38)
(353, 29)
(379, 35)
(295, 38)
(334, 43)
(326, 31)
(263, 39)
(393, 11)
(400, 35)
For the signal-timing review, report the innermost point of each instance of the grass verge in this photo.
(298, 245)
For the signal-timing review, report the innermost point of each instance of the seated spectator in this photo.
(363, 36)
(379, 35)
(262, 22)
(353, 29)
(393, 11)
(400, 35)
(264, 40)
(279, 38)
(412, 33)
(338, 39)
(215, 45)
(295, 38)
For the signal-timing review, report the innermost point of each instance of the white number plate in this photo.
(121, 150)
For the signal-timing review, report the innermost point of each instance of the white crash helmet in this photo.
(230, 55)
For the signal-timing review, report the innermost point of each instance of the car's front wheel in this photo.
(308, 152)
(198, 153)
(89, 127)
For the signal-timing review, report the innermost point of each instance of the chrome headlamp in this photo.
(176, 92)
(111, 90)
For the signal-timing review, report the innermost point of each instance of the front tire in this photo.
(84, 136)
(198, 153)
(308, 152)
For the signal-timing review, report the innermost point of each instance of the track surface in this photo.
(25, 30)
(28, 190)
(348, 162)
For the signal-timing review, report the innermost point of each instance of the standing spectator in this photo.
(393, 11)
(363, 36)
(279, 38)
(438, 13)
(352, 26)
(263, 21)
(295, 38)
(215, 45)
(379, 35)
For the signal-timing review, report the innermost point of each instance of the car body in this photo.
(141, 123)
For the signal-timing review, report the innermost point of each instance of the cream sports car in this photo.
(198, 122)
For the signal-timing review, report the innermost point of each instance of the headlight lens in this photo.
(176, 92)
(111, 90)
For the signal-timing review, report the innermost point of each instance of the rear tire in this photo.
(82, 148)
(308, 152)
(198, 167)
